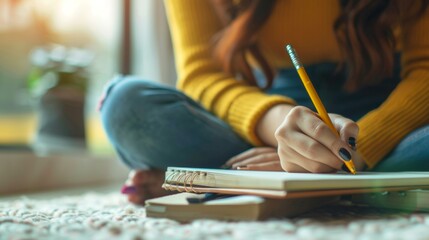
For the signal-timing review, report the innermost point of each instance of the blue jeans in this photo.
(154, 126)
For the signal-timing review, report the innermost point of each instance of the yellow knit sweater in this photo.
(308, 26)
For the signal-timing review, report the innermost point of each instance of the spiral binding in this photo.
(170, 179)
(181, 175)
(185, 181)
(191, 182)
(172, 182)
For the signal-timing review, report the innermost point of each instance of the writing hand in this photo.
(307, 144)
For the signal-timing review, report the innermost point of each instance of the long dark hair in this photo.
(364, 32)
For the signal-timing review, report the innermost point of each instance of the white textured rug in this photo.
(109, 216)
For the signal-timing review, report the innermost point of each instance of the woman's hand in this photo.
(307, 144)
(259, 158)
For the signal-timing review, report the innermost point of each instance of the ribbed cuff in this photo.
(246, 111)
(404, 111)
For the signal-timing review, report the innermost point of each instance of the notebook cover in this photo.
(239, 179)
(281, 194)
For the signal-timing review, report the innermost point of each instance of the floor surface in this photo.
(103, 213)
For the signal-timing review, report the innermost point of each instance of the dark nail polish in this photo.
(344, 154)
(345, 168)
(352, 142)
(128, 189)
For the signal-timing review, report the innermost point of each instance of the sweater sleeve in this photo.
(407, 107)
(193, 23)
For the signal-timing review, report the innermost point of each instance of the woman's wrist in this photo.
(269, 123)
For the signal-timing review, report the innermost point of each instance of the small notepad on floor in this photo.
(231, 208)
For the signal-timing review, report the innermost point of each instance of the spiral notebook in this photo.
(289, 185)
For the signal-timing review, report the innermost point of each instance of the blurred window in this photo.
(153, 57)
(25, 25)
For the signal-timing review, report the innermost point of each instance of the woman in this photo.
(242, 105)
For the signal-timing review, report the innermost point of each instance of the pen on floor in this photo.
(315, 98)
(206, 197)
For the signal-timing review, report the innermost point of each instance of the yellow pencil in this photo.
(315, 98)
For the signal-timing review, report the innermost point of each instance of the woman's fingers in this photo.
(347, 129)
(263, 157)
(295, 158)
(264, 166)
(307, 143)
(316, 129)
(293, 168)
(305, 148)
(249, 154)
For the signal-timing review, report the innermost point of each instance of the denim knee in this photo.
(155, 126)
(120, 98)
(127, 102)
(411, 154)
